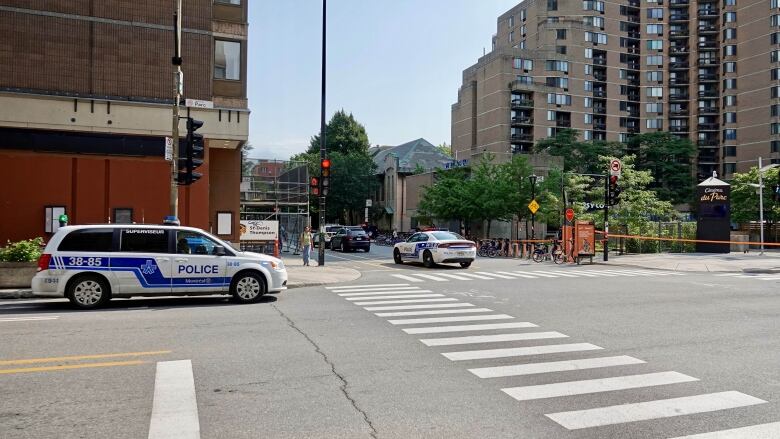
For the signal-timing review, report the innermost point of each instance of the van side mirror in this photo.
(219, 250)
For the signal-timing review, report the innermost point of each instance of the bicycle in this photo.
(487, 249)
(542, 253)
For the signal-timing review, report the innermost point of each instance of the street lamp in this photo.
(760, 187)
(532, 178)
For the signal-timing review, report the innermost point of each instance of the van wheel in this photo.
(247, 287)
(88, 291)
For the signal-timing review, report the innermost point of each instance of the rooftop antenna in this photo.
(483, 50)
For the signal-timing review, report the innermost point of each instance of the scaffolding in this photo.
(279, 193)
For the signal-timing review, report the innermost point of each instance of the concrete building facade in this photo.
(708, 70)
(86, 90)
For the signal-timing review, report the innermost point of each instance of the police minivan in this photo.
(91, 264)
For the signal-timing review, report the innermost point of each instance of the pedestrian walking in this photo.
(306, 240)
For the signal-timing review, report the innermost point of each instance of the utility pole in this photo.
(606, 218)
(323, 152)
(178, 89)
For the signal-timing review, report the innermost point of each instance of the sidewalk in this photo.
(704, 262)
(298, 276)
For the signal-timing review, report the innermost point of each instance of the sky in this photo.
(396, 65)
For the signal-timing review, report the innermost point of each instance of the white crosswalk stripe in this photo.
(517, 274)
(519, 352)
(555, 273)
(468, 328)
(663, 408)
(500, 276)
(396, 296)
(533, 274)
(402, 307)
(27, 319)
(365, 286)
(431, 277)
(477, 276)
(379, 293)
(454, 276)
(433, 312)
(450, 319)
(407, 278)
(538, 273)
(760, 431)
(553, 366)
(393, 302)
(374, 290)
(583, 387)
(450, 341)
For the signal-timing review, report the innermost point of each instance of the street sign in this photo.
(196, 103)
(169, 148)
(569, 215)
(615, 167)
(533, 206)
(368, 202)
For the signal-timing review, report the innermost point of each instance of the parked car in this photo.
(350, 239)
(330, 230)
(436, 247)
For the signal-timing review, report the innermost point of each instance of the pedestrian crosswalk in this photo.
(415, 276)
(464, 334)
(757, 276)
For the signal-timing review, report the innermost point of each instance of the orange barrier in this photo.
(655, 238)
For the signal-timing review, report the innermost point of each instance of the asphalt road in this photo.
(640, 353)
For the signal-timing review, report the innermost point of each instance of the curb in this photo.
(644, 267)
(761, 270)
(16, 294)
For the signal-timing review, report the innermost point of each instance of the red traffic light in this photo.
(315, 182)
(613, 179)
(325, 163)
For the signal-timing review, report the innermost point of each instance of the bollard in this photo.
(276, 248)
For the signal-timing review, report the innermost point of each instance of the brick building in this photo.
(708, 70)
(86, 89)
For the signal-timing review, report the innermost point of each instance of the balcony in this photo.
(679, 65)
(678, 3)
(632, 130)
(709, 94)
(707, 13)
(679, 81)
(563, 123)
(522, 120)
(634, 35)
(522, 103)
(600, 76)
(708, 29)
(710, 159)
(600, 110)
(521, 137)
(707, 143)
(708, 45)
(679, 129)
(632, 18)
(708, 61)
(679, 96)
(707, 127)
(599, 93)
(634, 97)
(708, 77)
(600, 61)
(682, 33)
(679, 113)
(679, 17)
(632, 66)
(709, 110)
(600, 126)
(679, 49)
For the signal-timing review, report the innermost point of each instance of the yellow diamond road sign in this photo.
(533, 206)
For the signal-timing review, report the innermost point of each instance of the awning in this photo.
(389, 210)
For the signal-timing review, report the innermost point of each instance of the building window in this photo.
(588, 103)
(228, 2)
(774, 110)
(729, 168)
(523, 14)
(552, 5)
(775, 146)
(731, 133)
(522, 30)
(560, 50)
(525, 79)
(730, 83)
(729, 101)
(774, 55)
(525, 64)
(656, 92)
(655, 13)
(560, 34)
(558, 99)
(657, 29)
(774, 38)
(556, 65)
(730, 117)
(596, 37)
(227, 60)
(655, 44)
(553, 81)
(123, 216)
(588, 53)
(593, 5)
(587, 135)
(588, 119)
(731, 2)
(729, 67)
(655, 123)
(511, 21)
(654, 108)
(730, 17)
(593, 21)
(655, 60)
(774, 20)
(731, 151)
(730, 50)
(655, 76)
(730, 33)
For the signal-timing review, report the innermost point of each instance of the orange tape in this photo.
(655, 238)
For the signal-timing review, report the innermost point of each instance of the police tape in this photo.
(703, 241)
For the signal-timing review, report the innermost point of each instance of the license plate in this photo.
(359, 239)
(461, 253)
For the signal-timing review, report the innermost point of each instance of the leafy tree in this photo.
(445, 149)
(246, 163)
(352, 181)
(744, 198)
(344, 135)
(670, 160)
(580, 157)
(418, 169)
(448, 197)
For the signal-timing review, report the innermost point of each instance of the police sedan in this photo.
(91, 264)
(435, 247)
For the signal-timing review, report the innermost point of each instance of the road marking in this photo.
(728, 274)
(454, 276)
(663, 408)
(70, 366)
(361, 262)
(451, 319)
(555, 273)
(500, 276)
(553, 366)
(583, 387)
(80, 357)
(449, 341)
(519, 352)
(433, 312)
(397, 296)
(431, 277)
(409, 278)
(519, 274)
(379, 293)
(366, 286)
(398, 308)
(27, 319)
(600, 273)
(620, 273)
(543, 274)
(763, 431)
(468, 328)
(476, 276)
(393, 302)
(374, 290)
(175, 409)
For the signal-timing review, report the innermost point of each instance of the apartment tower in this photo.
(708, 70)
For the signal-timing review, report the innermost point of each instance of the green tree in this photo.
(744, 197)
(352, 181)
(670, 160)
(580, 157)
(344, 135)
(246, 163)
(445, 149)
(448, 197)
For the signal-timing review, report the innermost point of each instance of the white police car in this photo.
(435, 247)
(91, 264)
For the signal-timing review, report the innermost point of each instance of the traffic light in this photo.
(314, 184)
(324, 176)
(191, 153)
(614, 190)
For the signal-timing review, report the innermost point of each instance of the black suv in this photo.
(350, 239)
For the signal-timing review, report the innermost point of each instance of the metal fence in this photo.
(658, 229)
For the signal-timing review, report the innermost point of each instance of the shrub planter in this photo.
(17, 274)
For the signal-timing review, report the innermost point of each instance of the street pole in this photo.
(606, 217)
(178, 87)
(321, 252)
(761, 203)
(533, 215)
